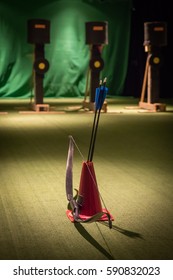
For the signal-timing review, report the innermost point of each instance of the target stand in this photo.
(39, 35)
(155, 37)
(96, 38)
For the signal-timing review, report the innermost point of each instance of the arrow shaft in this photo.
(92, 135)
(96, 121)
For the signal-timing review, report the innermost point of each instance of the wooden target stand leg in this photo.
(93, 78)
(149, 83)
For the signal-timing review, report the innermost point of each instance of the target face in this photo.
(96, 64)
(41, 65)
(155, 60)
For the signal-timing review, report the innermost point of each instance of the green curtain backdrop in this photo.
(67, 53)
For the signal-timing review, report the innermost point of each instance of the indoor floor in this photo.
(133, 162)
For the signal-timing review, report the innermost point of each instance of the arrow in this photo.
(100, 96)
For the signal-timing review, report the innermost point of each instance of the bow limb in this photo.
(69, 179)
(69, 169)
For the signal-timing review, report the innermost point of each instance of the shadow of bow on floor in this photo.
(107, 253)
(126, 232)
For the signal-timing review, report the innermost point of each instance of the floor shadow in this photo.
(126, 232)
(92, 241)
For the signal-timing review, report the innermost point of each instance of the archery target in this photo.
(41, 65)
(96, 64)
